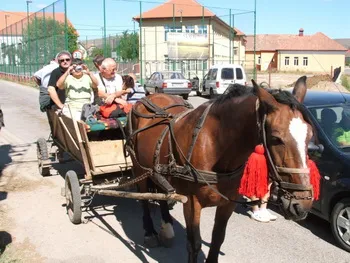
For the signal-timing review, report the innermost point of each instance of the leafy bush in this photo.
(345, 82)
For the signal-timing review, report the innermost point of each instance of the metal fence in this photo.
(185, 37)
(33, 41)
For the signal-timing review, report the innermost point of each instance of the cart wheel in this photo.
(43, 155)
(73, 197)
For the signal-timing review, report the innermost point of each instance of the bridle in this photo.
(283, 188)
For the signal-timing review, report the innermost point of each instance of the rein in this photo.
(275, 170)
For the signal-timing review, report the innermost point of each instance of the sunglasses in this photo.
(62, 60)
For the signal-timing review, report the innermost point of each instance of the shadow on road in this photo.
(5, 157)
(128, 213)
(5, 240)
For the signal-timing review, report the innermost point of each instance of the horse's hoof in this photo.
(166, 242)
(151, 241)
(166, 234)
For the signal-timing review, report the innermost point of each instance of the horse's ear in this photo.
(265, 97)
(300, 89)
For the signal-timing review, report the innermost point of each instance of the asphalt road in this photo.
(112, 230)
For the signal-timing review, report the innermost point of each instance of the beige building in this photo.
(304, 53)
(182, 35)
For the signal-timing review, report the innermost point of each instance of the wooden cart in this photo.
(106, 167)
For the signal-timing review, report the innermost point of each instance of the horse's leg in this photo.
(166, 234)
(222, 215)
(151, 236)
(192, 214)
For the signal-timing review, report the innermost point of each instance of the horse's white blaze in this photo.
(298, 129)
(167, 230)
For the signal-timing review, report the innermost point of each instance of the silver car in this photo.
(169, 82)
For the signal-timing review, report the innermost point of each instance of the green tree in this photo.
(96, 51)
(128, 47)
(43, 38)
(99, 51)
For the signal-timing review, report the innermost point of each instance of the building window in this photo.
(202, 29)
(286, 61)
(259, 60)
(167, 28)
(296, 61)
(305, 61)
(189, 29)
(235, 51)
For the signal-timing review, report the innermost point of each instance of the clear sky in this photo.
(332, 17)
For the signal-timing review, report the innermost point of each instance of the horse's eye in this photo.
(276, 140)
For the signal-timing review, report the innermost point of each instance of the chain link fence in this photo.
(148, 36)
(34, 41)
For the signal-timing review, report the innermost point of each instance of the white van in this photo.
(220, 77)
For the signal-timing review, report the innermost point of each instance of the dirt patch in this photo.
(329, 86)
(314, 80)
(20, 252)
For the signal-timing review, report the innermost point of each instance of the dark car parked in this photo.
(330, 113)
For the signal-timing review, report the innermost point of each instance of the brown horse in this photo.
(234, 124)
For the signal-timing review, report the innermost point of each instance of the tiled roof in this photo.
(16, 17)
(315, 42)
(345, 42)
(189, 9)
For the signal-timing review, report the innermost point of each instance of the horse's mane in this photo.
(281, 96)
(238, 90)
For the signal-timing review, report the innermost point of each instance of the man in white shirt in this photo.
(41, 77)
(110, 84)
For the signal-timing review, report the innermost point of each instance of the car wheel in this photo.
(340, 223)
(185, 96)
(146, 91)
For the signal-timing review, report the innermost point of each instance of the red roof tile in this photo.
(315, 42)
(189, 8)
(16, 17)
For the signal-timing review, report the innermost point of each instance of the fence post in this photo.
(254, 70)
(230, 36)
(54, 29)
(104, 29)
(45, 43)
(22, 53)
(36, 43)
(141, 64)
(65, 26)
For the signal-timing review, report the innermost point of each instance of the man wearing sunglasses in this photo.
(57, 95)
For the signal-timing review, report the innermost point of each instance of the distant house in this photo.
(183, 35)
(345, 42)
(12, 35)
(305, 53)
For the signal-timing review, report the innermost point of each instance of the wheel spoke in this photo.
(346, 236)
(343, 222)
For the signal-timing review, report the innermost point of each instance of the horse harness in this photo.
(188, 171)
(274, 171)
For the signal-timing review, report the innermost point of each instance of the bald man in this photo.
(110, 86)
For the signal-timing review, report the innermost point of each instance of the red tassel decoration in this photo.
(314, 178)
(255, 176)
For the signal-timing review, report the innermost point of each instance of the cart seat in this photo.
(104, 124)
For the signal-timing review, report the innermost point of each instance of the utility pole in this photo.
(7, 41)
(29, 53)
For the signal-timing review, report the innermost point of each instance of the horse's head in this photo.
(286, 134)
